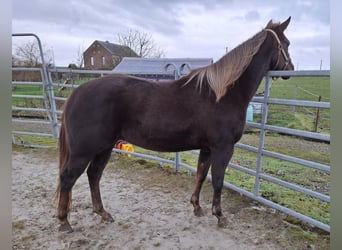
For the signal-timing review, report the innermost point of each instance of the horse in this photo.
(203, 110)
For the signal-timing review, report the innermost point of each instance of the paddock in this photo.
(48, 105)
(148, 215)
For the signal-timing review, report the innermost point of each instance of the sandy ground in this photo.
(151, 209)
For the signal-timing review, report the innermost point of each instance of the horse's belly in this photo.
(164, 141)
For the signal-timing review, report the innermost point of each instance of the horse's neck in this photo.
(250, 80)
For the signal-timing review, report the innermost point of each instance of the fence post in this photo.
(177, 162)
(177, 73)
(52, 105)
(176, 76)
(317, 116)
(262, 135)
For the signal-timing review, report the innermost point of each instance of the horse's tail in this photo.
(64, 153)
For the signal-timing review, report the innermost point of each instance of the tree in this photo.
(28, 54)
(141, 42)
(79, 56)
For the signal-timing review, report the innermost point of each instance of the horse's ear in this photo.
(284, 25)
(269, 24)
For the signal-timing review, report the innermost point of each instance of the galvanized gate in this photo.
(42, 101)
(49, 86)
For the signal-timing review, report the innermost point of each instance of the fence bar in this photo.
(32, 133)
(26, 69)
(29, 96)
(29, 109)
(310, 73)
(288, 158)
(276, 206)
(290, 131)
(242, 169)
(264, 201)
(269, 203)
(299, 103)
(27, 83)
(246, 147)
(188, 167)
(149, 157)
(82, 71)
(295, 187)
(65, 85)
(30, 121)
(60, 98)
(296, 160)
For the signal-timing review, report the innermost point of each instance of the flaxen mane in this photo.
(234, 64)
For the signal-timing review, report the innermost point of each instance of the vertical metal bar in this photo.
(177, 73)
(262, 135)
(176, 76)
(177, 162)
(317, 116)
(53, 109)
(177, 157)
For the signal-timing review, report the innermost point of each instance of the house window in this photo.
(92, 61)
(103, 61)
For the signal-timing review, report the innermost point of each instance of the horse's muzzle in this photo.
(289, 66)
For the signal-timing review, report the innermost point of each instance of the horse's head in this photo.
(281, 58)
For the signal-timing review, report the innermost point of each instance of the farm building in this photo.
(105, 55)
(154, 68)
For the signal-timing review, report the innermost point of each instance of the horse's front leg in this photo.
(202, 172)
(218, 169)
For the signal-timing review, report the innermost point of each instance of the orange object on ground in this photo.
(123, 145)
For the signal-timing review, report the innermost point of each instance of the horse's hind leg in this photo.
(73, 169)
(94, 172)
(202, 172)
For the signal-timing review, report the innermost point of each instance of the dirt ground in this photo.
(151, 207)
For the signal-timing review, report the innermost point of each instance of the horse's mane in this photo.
(223, 73)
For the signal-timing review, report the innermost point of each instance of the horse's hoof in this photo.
(198, 212)
(108, 219)
(65, 228)
(222, 222)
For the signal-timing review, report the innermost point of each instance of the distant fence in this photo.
(49, 106)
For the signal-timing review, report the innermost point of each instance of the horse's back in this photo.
(94, 110)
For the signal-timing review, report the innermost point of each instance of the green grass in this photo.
(285, 89)
(299, 88)
(35, 140)
(27, 90)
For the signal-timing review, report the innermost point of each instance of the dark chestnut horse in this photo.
(204, 110)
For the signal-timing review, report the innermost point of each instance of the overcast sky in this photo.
(191, 28)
